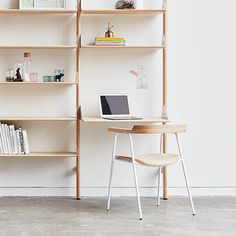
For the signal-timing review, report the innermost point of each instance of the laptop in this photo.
(116, 107)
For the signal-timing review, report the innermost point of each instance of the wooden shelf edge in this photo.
(38, 46)
(38, 83)
(121, 12)
(123, 47)
(43, 154)
(37, 11)
(38, 119)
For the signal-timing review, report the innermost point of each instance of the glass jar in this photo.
(27, 66)
(10, 75)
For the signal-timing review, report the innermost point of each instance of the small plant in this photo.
(124, 4)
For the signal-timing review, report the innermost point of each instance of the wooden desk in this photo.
(144, 120)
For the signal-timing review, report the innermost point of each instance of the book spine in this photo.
(4, 139)
(11, 130)
(21, 141)
(18, 142)
(15, 142)
(1, 141)
(26, 143)
(7, 138)
(107, 39)
(114, 44)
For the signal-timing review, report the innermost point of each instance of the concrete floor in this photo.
(65, 216)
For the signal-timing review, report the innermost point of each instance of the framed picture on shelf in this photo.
(49, 4)
(26, 4)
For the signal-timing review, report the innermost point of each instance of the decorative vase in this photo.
(138, 4)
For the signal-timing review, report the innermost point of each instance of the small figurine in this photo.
(58, 78)
(109, 33)
(18, 76)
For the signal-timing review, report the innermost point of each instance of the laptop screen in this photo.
(115, 105)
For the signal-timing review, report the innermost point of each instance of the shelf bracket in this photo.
(163, 42)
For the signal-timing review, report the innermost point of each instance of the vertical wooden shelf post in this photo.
(164, 99)
(78, 42)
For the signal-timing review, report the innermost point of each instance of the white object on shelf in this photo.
(138, 4)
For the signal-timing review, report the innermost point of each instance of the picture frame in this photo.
(50, 4)
(26, 4)
(42, 4)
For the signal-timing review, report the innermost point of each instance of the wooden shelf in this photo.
(38, 46)
(37, 118)
(120, 12)
(123, 47)
(39, 83)
(37, 11)
(144, 120)
(44, 154)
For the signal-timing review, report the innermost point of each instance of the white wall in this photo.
(200, 89)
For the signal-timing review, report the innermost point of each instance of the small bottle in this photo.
(27, 66)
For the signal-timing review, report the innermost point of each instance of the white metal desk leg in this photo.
(111, 171)
(135, 177)
(185, 175)
(159, 186)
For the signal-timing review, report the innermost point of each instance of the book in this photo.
(4, 139)
(7, 136)
(11, 129)
(26, 143)
(18, 141)
(21, 141)
(13, 141)
(109, 39)
(1, 141)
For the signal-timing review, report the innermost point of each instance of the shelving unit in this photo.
(78, 47)
(59, 84)
(163, 13)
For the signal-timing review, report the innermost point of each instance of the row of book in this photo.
(13, 141)
(100, 41)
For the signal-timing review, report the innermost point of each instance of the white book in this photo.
(18, 141)
(26, 143)
(11, 130)
(7, 138)
(4, 139)
(7, 133)
(1, 141)
(15, 142)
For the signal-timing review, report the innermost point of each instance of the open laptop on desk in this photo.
(116, 107)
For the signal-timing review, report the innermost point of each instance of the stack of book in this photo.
(13, 141)
(100, 41)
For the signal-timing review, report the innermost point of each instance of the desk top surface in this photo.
(144, 120)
